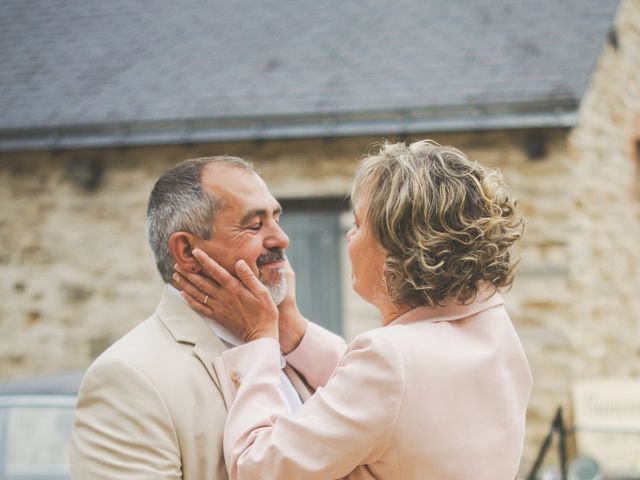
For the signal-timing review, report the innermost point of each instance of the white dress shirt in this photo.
(289, 393)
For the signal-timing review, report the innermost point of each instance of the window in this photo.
(315, 236)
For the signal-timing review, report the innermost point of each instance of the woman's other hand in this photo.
(243, 305)
(291, 323)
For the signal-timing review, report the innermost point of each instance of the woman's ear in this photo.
(181, 245)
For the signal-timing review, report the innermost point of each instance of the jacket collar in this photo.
(452, 311)
(186, 326)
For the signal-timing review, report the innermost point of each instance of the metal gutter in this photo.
(136, 134)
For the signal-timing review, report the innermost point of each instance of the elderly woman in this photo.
(440, 389)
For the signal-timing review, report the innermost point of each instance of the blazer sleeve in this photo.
(347, 423)
(122, 428)
(317, 343)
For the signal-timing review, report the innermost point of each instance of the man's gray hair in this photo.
(180, 203)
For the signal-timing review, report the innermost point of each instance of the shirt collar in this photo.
(221, 332)
(452, 311)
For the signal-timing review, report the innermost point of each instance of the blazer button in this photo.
(235, 379)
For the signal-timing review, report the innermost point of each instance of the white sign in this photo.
(607, 419)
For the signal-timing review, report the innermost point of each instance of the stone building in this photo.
(99, 98)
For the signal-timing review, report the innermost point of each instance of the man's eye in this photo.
(255, 226)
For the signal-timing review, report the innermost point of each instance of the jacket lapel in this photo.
(186, 326)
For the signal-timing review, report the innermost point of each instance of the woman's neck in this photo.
(391, 311)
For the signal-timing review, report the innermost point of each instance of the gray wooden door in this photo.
(314, 253)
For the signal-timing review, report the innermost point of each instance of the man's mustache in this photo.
(273, 255)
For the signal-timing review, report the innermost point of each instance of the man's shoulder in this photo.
(151, 340)
(170, 351)
(134, 350)
(149, 358)
(148, 338)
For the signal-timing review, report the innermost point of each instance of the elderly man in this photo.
(151, 405)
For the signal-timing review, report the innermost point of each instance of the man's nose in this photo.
(277, 238)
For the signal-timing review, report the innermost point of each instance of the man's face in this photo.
(247, 227)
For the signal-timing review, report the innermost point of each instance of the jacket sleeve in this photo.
(317, 343)
(122, 428)
(347, 423)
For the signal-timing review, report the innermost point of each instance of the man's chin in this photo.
(271, 273)
(277, 287)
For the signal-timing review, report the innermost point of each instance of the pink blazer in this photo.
(436, 394)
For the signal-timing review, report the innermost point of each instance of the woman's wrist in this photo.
(269, 332)
(292, 328)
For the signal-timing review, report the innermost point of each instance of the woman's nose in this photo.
(350, 233)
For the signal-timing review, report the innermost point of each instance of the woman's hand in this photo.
(243, 305)
(291, 323)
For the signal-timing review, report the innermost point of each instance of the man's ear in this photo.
(181, 245)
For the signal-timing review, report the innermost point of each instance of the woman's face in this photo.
(367, 257)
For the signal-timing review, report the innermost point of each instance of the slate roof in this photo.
(101, 72)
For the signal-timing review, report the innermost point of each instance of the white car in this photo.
(36, 416)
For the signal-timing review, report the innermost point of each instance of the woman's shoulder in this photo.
(378, 335)
(385, 340)
(378, 354)
(421, 336)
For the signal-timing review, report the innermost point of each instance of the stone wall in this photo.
(582, 320)
(77, 272)
(76, 268)
(605, 273)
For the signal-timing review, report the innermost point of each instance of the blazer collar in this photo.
(186, 326)
(452, 311)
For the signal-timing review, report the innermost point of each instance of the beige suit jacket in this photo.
(150, 407)
(437, 394)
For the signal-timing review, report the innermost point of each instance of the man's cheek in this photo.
(256, 270)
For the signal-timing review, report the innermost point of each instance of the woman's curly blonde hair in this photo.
(446, 222)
